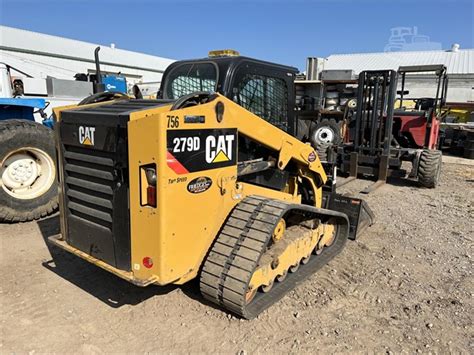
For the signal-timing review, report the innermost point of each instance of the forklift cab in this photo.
(435, 102)
(263, 88)
(418, 126)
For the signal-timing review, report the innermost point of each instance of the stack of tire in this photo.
(332, 100)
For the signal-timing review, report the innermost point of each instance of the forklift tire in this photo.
(429, 168)
(28, 183)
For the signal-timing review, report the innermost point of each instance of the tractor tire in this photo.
(327, 132)
(429, 168)
(28, 182)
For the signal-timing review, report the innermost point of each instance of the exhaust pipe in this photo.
(98, 86)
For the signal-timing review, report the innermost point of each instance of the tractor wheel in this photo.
(429, 168)
(28, 184)
(327, 132)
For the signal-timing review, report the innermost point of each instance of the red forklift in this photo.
(390, 128)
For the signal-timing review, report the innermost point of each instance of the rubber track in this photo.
(233, 258)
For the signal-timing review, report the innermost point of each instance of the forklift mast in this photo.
(370, 151)
(373, 131)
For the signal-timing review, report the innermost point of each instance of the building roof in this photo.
(457, 62)
(39, 53)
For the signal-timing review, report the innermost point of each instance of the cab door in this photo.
(266, 91)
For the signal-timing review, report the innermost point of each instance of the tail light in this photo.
(148, 262)
(151, 196)
(148, 185)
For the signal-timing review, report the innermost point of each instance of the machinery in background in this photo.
(210, 180)
(458, 129)
(386, 131)
(28, 184)
(361, 127)
(326, 102)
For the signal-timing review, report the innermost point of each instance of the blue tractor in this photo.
(28, 182)
(28, 186)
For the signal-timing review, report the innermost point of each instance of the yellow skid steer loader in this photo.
(210, 180)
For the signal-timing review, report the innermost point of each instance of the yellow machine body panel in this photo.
(169, 242)
(178, 233)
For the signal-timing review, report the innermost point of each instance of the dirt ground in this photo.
(405, 285)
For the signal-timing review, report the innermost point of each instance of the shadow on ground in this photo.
(103, 285)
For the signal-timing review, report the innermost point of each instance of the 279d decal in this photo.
(197, 150)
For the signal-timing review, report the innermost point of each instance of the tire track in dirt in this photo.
(405, 285)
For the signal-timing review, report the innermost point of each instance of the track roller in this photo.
(282, 277)
(294, 268)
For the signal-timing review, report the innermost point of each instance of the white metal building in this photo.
(459, 63)
(41, 55)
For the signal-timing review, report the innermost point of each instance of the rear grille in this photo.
(95, 179)
(89, 177)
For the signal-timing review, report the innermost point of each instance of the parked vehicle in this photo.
(28, 183)
(387, 130)
(208, 181)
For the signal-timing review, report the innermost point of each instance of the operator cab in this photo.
(416, 119)
(263, 88)
(434, 103)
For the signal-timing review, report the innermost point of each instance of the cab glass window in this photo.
(188, 78)
(265, 96)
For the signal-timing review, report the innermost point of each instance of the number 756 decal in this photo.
(173, 121)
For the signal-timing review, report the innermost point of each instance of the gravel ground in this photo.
(405, 285)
